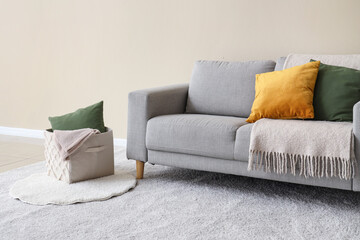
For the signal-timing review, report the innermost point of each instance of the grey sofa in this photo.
(202, 125)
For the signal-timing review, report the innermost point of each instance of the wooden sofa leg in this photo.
(139, 169)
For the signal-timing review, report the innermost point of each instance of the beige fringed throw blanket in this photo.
(68, 141)
(307, 148)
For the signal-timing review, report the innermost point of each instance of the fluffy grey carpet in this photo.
(184, 204)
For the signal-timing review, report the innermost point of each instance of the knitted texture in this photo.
(307, 148)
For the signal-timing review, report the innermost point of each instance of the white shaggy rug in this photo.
(40, 189)
(172, 203)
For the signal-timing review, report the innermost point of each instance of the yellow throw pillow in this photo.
(285, 94)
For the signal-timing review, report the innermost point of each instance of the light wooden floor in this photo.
(19, 151)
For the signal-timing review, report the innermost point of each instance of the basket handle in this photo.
(95, 149)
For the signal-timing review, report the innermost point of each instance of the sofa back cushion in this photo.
(280, 64)
(349, 61)
(224, 88)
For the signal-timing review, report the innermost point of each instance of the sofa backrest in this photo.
(224, 88)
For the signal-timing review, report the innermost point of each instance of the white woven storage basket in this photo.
(95, 158)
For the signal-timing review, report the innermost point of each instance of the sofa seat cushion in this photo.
(242, 143)
(197, 134)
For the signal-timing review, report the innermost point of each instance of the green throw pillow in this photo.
(337, 89)
(89, 117)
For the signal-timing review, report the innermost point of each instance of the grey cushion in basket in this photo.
(197, 134)
(224, 88)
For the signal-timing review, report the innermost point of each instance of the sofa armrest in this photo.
(146, 104)
(356, 131)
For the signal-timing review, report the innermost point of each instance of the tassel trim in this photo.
(303, 165)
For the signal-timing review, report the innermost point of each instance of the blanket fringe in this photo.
(307, 166)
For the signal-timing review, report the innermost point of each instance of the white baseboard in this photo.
(21, 132)
(33, 133)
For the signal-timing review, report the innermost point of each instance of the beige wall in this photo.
(57, 56)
